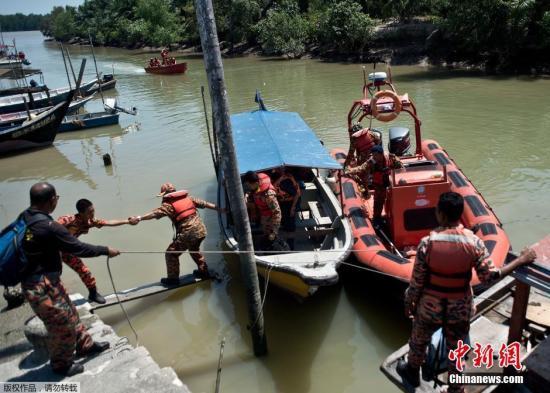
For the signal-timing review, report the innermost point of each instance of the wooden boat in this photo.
(12, 119)
(502, 313)
(178, 68)
(10, 63)
(409, 211)
(107, 82)
(88, 120)
(266, 140)
(16, 103)
(21, 90)
(38, 132)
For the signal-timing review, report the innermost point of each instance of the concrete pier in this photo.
(119, 369)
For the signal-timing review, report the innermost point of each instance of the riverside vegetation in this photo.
(498, 35)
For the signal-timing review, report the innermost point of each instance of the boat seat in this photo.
(308, 194)
(316, 214)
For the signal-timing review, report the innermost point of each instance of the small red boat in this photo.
(178, 68)
(413, 192)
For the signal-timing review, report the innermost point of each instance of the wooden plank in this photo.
(519, 309)
(490, 297)
(145, 290)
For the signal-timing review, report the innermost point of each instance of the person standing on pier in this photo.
(181, 208)
(42, 286)
(79, 224)
(439, 294)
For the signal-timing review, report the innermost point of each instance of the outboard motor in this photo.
(400, 141)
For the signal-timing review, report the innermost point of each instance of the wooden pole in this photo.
(65, 64)
(70, 63)
(96, 70)
(228, 161)
(519, 310)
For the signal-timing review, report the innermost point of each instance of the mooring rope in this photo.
(119, 302)
(268, 270)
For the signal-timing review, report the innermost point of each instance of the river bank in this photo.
(417, 41)
(396, 43)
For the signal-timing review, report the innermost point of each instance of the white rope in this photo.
(239, 252)
(120, 303)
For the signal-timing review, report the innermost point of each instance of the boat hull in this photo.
(39, 132)
(179, 68)
(89, 120)
(16, 103)
(375, 252)
(300, 273)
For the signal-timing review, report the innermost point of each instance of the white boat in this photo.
(266, 140)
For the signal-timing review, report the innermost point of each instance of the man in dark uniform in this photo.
(42, 285)
(439, 294)
(181, 208)
(79, 224)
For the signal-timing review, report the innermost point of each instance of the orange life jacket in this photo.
(381, 173)
(182, 204)
(265, 185)
(451, 254)
(363, 141)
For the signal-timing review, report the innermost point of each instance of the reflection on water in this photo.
(495, 128)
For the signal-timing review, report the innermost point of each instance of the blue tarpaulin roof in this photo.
(266, 139)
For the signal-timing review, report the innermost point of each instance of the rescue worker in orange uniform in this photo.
(288, 194)
(439, 294)
(79, 224)
(362, 141)
(265, 199)
(181, 208)
(378, 167)
(164, 56)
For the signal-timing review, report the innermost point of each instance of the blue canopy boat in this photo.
(266, 140)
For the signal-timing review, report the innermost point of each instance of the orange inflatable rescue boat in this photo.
(413, 191)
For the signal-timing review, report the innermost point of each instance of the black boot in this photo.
(202, 273)
(409, 374)
(95, 296)
(167, 281)
(71, 370)
(97, 347)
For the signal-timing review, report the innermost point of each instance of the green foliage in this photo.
(242, 15)
(64, 24)
(501, 34)
(284, 31)
(20, 22)
(344, 28)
